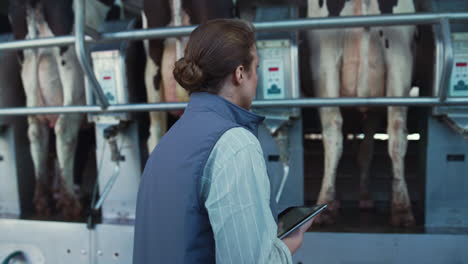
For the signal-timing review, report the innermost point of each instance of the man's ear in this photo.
(239, 75)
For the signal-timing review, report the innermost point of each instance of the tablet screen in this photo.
(294, 217)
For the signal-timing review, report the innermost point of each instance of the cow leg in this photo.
(155, 14)
(173, 51)
(172, 91)
(158, 120)
(38, 134)
(326, 47)
(398, 84)
(366, 149)
(399, 60)
(401, 213)
(66, 131)
(333, 144)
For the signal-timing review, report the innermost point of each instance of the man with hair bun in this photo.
(204, 195)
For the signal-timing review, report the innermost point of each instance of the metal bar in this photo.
(83, 56)
(36, 43)
(360, 21)
(306, 23)
(304, 103)
(107, 187)
(94, 34)
(448, 59)
(151, 33)
(49, 110)
(351, 102)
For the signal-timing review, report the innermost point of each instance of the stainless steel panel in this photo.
(354, 248)
(58, 243)
(446, 177)
(9, 196)
(113, 244)
(70, 243)
(45, 242)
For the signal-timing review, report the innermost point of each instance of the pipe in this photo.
(360, 21)
(305, 23)
(303, 102)
(108, 187)
(448, 60)
(83, 56)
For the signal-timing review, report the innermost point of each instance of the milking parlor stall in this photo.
(366, 106)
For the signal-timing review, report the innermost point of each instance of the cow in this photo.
(363, 62)
(52, 77)
(161, 54)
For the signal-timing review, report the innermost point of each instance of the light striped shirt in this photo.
(236, 191)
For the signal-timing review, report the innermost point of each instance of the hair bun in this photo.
(188, 74)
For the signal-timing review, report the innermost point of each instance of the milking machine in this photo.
(447, 142)
(119, 168)
(117, 142)
(281, 133)
(16, 171)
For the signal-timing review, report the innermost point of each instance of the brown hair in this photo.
(215, 49)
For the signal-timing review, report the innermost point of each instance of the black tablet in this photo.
(293, 217)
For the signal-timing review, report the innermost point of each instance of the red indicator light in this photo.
(273, 69)
(461, 64)
(107, 77)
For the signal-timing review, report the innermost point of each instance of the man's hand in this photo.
(294, 240)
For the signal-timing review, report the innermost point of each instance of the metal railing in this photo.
(302, 102)
(296, 24)
(82, 55)
(443, 19)
(448, 59)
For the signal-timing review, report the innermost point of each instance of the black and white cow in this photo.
(363, 62)
(161, 54)
(52, 77)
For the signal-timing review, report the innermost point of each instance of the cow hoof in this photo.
(73, 213)
(402, 217)
(329, 215)
(41, 200)
(366, 205)
(41, 205)
(69, 205)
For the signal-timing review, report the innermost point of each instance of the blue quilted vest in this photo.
(172, 224)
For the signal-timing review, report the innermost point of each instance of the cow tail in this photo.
(32, 32)
(363, 70)
(144, 24)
